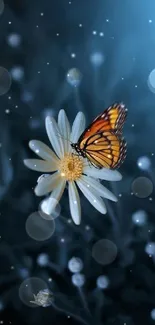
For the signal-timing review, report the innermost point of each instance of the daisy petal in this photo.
(92, 197)
(78, 127)
(74, 202)
(47, 184)
(54, 136)
(39, 165)
(99, 188)
(43, 151)
(58, 191)
(64, 127)
(104, 173)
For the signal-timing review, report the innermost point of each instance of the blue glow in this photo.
(144, 163)
(24, 273)
(97, 59)
(17, 73)
(78, 279)
(26, 96)
(43, 259)
(139, 217)
(150, 248)
(102, 282)
(74, 77)
(14, 40)
(153, 314)
(75, 264)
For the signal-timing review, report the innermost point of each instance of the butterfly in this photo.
(102, 143)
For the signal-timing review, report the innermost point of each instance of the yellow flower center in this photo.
(71, 167)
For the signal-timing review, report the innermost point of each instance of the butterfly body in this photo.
(102, 143)
(78, 150)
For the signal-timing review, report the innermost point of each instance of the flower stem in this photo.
(67, 312)
(84, 301)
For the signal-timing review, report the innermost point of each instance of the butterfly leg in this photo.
(75, 154)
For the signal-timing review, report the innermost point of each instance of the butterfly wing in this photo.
(105, 149)
(101, 142)
(112, 118)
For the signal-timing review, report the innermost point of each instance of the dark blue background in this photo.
(128, 47)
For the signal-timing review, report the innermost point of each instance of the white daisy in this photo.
(68, 167)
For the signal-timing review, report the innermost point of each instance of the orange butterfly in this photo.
(102, 143)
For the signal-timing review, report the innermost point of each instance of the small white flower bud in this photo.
(78, 279)
(102, 282)
(75, 264)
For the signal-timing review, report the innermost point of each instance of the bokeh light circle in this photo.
(43, 259)
(74, 77)
(104, 251)
(153, 313)
(29, 288)
(102, 282)
(17, 73)
(139, 217)
(23, 272)
(14, 40)
(151, 81)
(49, 209)
(75, 265)
(1, 6)
(142, 187)
(39, 228)
(5, 81)
(150, 248)
(144, 163)
(27, 96)
(78, 279)
(97, 59)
